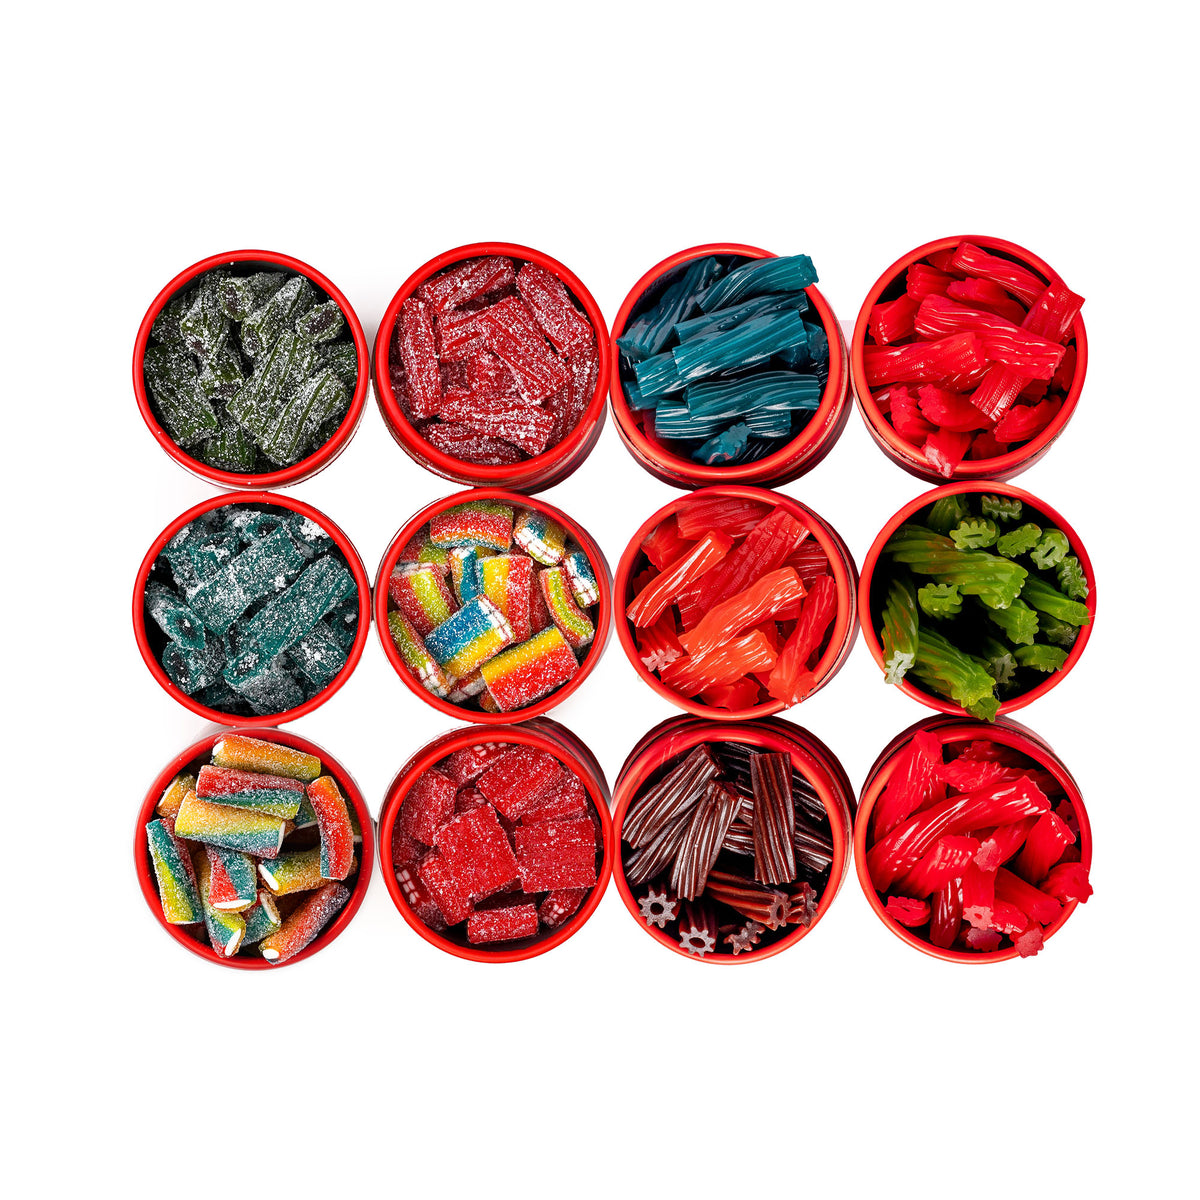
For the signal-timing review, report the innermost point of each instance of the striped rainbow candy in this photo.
(477, 522)
(275, 795)
(225, 929)
(175, 875)
(243, 753)
(583, 579)
(303, 925)
(233, 880)
(416, 657)
(574, 624)
(262, 919)
(259, 834)
(421, 594)
(541, 537)
(508, 583)
(525, 673)
(474, 634)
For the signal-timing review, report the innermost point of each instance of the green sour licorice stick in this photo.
(996, 581)
(165, 330)
(204, 326)
(945, 514)
(1000, 508)
(760, 277)
(1050, 600)
(900, 631)
(940, 600)
(1058, 633)
(322, 323)
(264, 326)
(999, 660)
(174, 384)
(242, 294)
(1051, 550)
(342, 359)
(1020, 540)
(1018, 620)
(295, 425)
(232, 449)
(222, 375)
(950, 671)
(1041, 657)
(1071, 578)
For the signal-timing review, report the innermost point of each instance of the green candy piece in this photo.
(1019, 541)
(165, 330)
(899, 634)
(949, 672)
(322, 323)
(174, 384)
(1071, 578)
(223, 375)
(242, 294)
(192, 671)
(946, 513)
(1000, 508)
(1018, 620)
(999, 661)
(1041, 658)
(204, 326)
(996, 581)
(267, 323)
(318, 656)
(267, 393)
(940, 600)
(985, 709)
(297, 421)
(975, 533)
(1049, 599)
(1051, 550)
(342, 359)
(1059, 633)
(233, 449)
(173, 617)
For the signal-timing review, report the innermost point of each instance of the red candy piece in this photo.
(476, 852)
(983, 293)
(556, 854)
(693, 674)
(945, 919)
(1035, 904)
(465, 281)
(418, 353)
(1066, 882)
(510, 332)
(1023, 422)
(459, 335)
(649, 603)
(923, 280)
(906, 415)
(923, 362)
(658, 645)
(570, 800)
(502, 924)
(583, 365)
(1014, 278)
(560, 905)
(904, 910)
(945, 862)
(760, 600)
(420, 898)
(465, 766)
(550, 303)
(913, 785)
(663, 545)
(944, 449)
(428, 806)
(892, 321)
(459, 441)
(451, 897)
(520, 781)
(978, 896)
(511, 419)
(1044, 846)
(792, 679)
(405, 850)
(732, 515)
(1024, 351)
(949, 409)
(733, 696)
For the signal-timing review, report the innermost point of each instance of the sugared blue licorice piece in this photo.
(761, 276)
(725, 447)
(727, 318)
(192, 671)
(174, 617)
(747, 343)
(647, 333)
(318, 656)
(733, 398)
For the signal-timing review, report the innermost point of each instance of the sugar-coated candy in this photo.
(428, 806)
(560, 905)
(582, 577)
(174, 872)
(477, 632)
(520, 780)
(507, 581)
(572, 622)
(556, 854)
(487, 523)
(452, 897)
(233, 880)
(521, 675)
(293, 871)
(304, 923)
(333, 822)
(172, 798)
(416, 657)
(274, 794)
(465, 766)
(502, 924)
(225, 929)
(241, 753)
(476, 851)
(255, 833)
(261, 919)
(464, 571)
(420, 592)
(540, 536)
(174, 617)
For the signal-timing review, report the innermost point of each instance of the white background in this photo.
(365, 140)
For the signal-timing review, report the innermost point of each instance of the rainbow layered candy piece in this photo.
(519, 583)
(420, 592)
(248, 880)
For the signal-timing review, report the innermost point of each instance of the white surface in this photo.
(144, 138)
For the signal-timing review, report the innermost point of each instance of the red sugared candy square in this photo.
(420, 898)
(521, 780)
(556, 854)
(502, 924)
(448, 894)
(405, 849)
(465, 766)
(560, 905)
(477, 853)
(569, 799)
(428, 806)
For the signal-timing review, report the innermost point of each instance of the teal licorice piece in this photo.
(250, 524)
(673, 421)
(1046, 598)
(177, 556)
(212, 551)
(657, 376)
(266, 324)
(295, 424)
(233, 449)
(174, 383)
(727, 318)
(750, 342)
(634, 398)
(1019, 622)
(725, 447)
(242, 294)
(769, 422)
(760, 277)
(268, 688)
(192, 671)
(812, 351)
(174, 617)
(322, 323)
(204, 326)
(262, 568)
(308, 535)
(647, 333)
(318, 656)
(342, 359)
(223, 374)
(343, 622)
(287, 617)
(219, 695)
(945, 514)
(733, 398)
(262, 396)
(165, 330)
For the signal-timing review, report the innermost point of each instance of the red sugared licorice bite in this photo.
(733, 603)
(496, 844)
(974, 847)
(492, 361)
(972, 356)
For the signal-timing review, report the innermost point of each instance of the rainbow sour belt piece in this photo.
(583, 579)
(508, 583)
(477, 632)
(225, 929)
(241, 753)
(574, 624)
(529, 671)
(176, 877)
(333, 821)
(241, 829)
(275, 795)
(305, 923)
(477, 523)
(232, 882)
(419, 591)
(416, 656)
(464, 571)
(541, 537)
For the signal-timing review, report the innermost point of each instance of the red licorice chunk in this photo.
(556, 854)
(521, 780)
(428, 806)
(502, 924)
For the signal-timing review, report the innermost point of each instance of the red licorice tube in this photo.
(1044, 846)
(663, 545)
(914, 783)
(647, 606)
(943, 864)
(791, 680)
(907, 911)
(759, 601)
(1002, 843)
(924, 362)
(1015, 279)
(946, 914)
(733, 514)
(693, 674)
(1066, 882)
(978, 896)
(1035, 904)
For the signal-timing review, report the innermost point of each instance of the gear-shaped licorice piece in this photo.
(698, 929)
(743, 940)
(657, 908)
(802, 905)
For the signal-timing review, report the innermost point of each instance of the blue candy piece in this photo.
(762, 276)
(672, 420)
(727, 318)
(770, 389)
(747, 343)
(648, 332)
(657, 376)
(725, 447)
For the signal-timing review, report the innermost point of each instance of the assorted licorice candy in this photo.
(978, 598)
(721, 359)
(970, 354)
(493, 360)
(731, 602)
(250, 369)
(493, 606)
(496, 845)
(973, 846)
(251, 609)
(254, 849)
(727, 849)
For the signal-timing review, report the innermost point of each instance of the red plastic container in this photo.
(867, 616)
(603, 614)
(797, 458)
(956, 729)
(306, 467)
(677, 736)
(841, 638)
(278, 500)
(534, 474)
(908, 456)
(198, 943)
(543, 734)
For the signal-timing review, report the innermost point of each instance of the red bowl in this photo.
(677, 736)
(534, 474)
(958, 729)
(277, 500)
(200, 945)
(603, 615)
(543, 734)
(797, 458)
(285, 476)
(908, 456)
(866, 614)
(841, 639)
